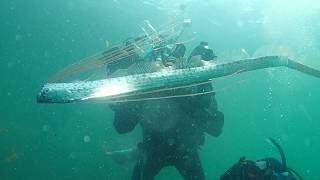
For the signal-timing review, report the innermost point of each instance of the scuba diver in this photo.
(263, 169)
(173, 128)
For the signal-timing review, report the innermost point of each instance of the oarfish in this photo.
(166, 78)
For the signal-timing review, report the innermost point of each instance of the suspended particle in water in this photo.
(86, 139)
(307, 142)
(107, 44)
(10, 65)
(75, 169)
(171, 142)
(45, 128)
(284, 137)
(18, 37)
(244, 52)
(182, 7)
(72, 155)
(240, 23)
(308, 171)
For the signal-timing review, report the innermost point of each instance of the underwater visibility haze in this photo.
(72, 141)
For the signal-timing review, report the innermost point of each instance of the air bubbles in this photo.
(308, 171)
(86, 139)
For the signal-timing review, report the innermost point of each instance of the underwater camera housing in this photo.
(263, 169)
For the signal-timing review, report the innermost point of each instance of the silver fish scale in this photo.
(80, 91)
(170, 78)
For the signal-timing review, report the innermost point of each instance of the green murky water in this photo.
(45, 141)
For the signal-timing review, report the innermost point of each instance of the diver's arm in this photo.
(214, 122)
(206, 112)
(214, 125)
(126, 116)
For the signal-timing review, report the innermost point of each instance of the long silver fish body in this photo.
(166, 78)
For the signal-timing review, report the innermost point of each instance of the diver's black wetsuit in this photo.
(177, 146)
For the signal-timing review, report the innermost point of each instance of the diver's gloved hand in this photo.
(210, 122)
(126, 116)
(216, 126)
